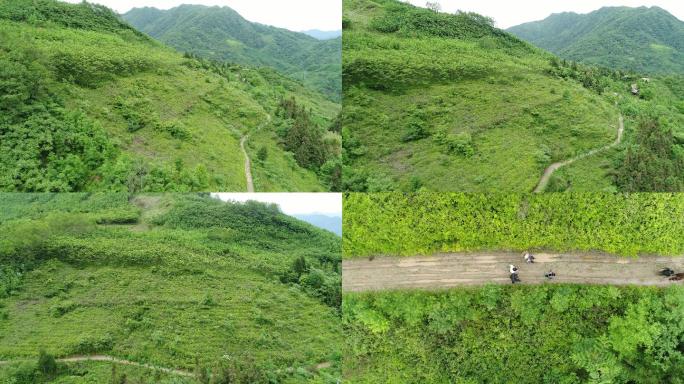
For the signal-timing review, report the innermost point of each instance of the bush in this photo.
(460, 143)
(47, 365)
(62, 308)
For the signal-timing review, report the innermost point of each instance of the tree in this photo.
(433, 6)
(262, 154)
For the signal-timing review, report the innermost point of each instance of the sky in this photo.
(295, 15)
(507, 13)
(294, 203)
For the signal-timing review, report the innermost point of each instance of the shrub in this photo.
(460, 143)
(47, 365)
(62, 308)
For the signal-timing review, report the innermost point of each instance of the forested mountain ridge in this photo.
(448, 102)
(90, 103)
(648, 40)
(220, 33)
(237, 291)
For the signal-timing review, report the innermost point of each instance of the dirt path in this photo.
(73, 359)
(455, 269)
(248, 162)
(248, 165)
(548, 172)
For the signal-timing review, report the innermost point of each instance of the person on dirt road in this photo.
(550, 275)
(529, 258)
(514, 274)
(667, 272)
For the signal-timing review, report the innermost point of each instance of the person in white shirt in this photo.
(514, 274)
(529, 258)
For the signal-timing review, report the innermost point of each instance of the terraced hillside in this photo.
(92, 104)
(185, 285)
(448, 102)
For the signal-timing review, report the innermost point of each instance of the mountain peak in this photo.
(642, 39)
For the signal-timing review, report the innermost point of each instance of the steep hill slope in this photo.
(89, 103)
(221, 33)
(646, 40)
(180, 282)
(448, 102)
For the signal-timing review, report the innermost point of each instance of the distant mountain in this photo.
(330, 223)
(221, 33)
(323, 35)
(647, 40)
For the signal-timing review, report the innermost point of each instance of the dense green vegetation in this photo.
(516, 334)
(91, 104)
(645, 39)
(429, 222)
(220, 33)
(232, 291)
(448, 102)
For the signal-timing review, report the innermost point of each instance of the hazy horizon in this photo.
(510, 14)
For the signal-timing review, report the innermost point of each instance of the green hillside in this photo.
(648, 40)
(449, 103)
(238, 292)
(220, 33)
(89, 103)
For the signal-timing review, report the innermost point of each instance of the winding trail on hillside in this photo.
(111, 359)
(248, 165)
(548, 172)
(460, 269)
(248, 162)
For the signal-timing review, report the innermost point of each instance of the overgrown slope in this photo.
(645, 39)
(89, 103)
(448, 102)
(220, 33)
(185, 282)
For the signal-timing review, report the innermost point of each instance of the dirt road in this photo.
(456, 269)
(548, 172)
(248, 162)
(73, 359)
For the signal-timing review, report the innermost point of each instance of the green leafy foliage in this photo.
(599, 334)
(429, 222)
